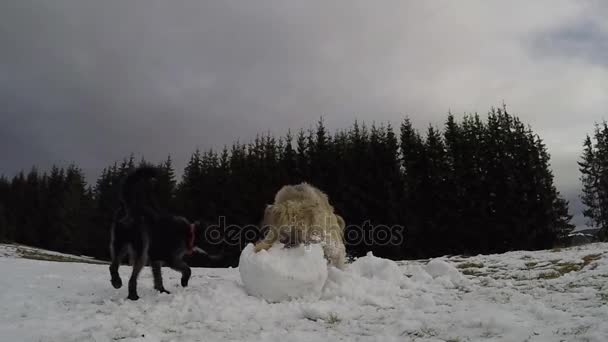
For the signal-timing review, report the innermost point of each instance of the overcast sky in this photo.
(91, 81)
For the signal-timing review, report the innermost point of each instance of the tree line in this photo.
(477, 185)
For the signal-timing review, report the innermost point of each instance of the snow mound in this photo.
(281, 274)
(369, 280)
(373, 267)
(445, 272)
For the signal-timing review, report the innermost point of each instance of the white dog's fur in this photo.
(302, 214)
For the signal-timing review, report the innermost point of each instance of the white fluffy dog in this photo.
(302, 214)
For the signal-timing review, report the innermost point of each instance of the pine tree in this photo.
(320, 160)
(589, 169)
(166, 184)
(594, 176)
(288, 162)
(77, 208)
(472, 185)
(436, 185)
(414, 173)
(31, 203)
(190, 187)
(302, 157)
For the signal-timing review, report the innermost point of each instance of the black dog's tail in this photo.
(138, 194)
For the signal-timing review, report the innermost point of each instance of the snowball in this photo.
(281, 274)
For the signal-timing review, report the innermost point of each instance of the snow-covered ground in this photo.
(558, 295)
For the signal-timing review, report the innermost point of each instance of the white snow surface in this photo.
(281, 274)
(554, 295)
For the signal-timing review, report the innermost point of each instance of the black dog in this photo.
(147, 233)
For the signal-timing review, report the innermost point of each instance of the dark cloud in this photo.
(584, 40)
(92, 81)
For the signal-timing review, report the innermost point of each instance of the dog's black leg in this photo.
(115, 277)
(138, 264)
(117, 255)
(180, 266)
(158, 277)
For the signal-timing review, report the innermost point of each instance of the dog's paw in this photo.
(185, 282)
(133, 296)
(116, 282)
(162, 290)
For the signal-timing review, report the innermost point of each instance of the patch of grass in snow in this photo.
(603, 297)
(333, 318)
(561, 268)
(426, 332)
(531, 264)
(488, 334)
(581, 330)
(549, 275)
(422, 333)
(568, 267)
(470, 265)
(471, 268)
(518, 277)
(484, 282)
(473, 272)
(587, 259)
(576, 286)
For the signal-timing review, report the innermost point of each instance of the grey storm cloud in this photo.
(93, 81)
(582, 40)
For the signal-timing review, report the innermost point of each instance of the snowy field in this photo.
(556, 295)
